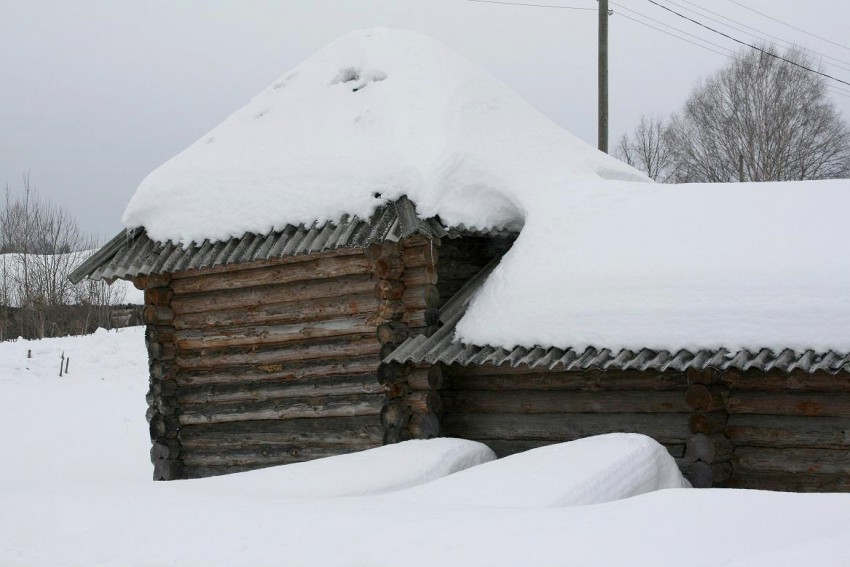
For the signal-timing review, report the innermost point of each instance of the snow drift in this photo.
(592, 470)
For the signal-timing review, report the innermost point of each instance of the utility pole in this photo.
(603, 76)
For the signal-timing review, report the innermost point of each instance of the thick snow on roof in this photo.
(625, 265)
(374, 115)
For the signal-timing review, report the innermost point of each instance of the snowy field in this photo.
(75, 491)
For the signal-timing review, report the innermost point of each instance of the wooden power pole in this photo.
(603, 76)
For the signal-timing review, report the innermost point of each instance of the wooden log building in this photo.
(322, 340)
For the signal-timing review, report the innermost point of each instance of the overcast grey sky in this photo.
(97, 93)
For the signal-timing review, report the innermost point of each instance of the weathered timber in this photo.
(389, 310)
(167, 469)
(161, 351)
(789, 431)
(289, 408)
(269, 455)
(289, 352)
(389, 290)
(704, 475)
(789, 403)
(507, 447)
(298, 312)
(708, 448)
(790, 460)
(313, 269)
(530, 401)
(425, 401)
(392, 332)
(390, 373)
(205, 472)
(163, 370)
(162, 426)
(556, 427)
(705, 398)
(157, 315)
(419, 276)
(424, 426)
(166, 388)
(705, 377)
(676, 450)
(797, 380)
(271, 334)
(430, 378)
(165, 449)
(707, 423)
(395, 414)
(300, 430)
(273, 294)
(422, 255)
(295, 371)
(421, 297)
(389, 268)
(158, 295)
(261, 391)
(152, 280)
(501, 378)
(393, 435)
(159, 333)
(796, 482)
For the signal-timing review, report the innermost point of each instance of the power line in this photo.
(533, 5)
(760, 34)
(669, 26)
(768, 53)
(789, 25)
(672, 34)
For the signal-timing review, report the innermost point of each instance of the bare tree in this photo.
(774, 115)
(648, 149)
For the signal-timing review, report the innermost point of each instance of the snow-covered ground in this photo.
(75, 491)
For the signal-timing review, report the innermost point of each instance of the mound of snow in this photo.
(586, 471)
(626, 265)
(374, 471)
(374, 115)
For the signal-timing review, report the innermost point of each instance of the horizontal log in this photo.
(163, 370)
(707, 423)
(157, 315)
(303, 429)
(164, 449)
(789, 403)
(289, 312)
(395, 413)
(160, 296)
(705, 398)
(791, 460)
(790, 482)
(474, 378)
(424, 426)
(508, 447)
(785, 381)
(261, 391)
(161, 351)
(419, 276)
(420, 255)
(425, 401)
(389, 290)
(270, 263)
(705, 377)
(392, 332)
(269, 455)
(161, 427)
(430, 378)
(389, 268)
(388, 310)
(704, 475)
(298, 370)
(708, 448)
(789, 431)
(273, 294)
(393, 435)
(663, 427)
(289, 408)
(159, 333)
(168, 469)
(391, 373)
(313, 269)
(417, 318)
(152, 280)
(273, 359)
(421, 297)
(639, 401)
(258, 335)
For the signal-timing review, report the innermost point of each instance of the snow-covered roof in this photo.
(373, 116)
(668, 267)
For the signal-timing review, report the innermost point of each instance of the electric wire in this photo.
(764, 51)
(759, 34)
(789, 25)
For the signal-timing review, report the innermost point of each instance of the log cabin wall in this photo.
(789, 431)
(264, 364)
(432, 271)
(516, 409)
